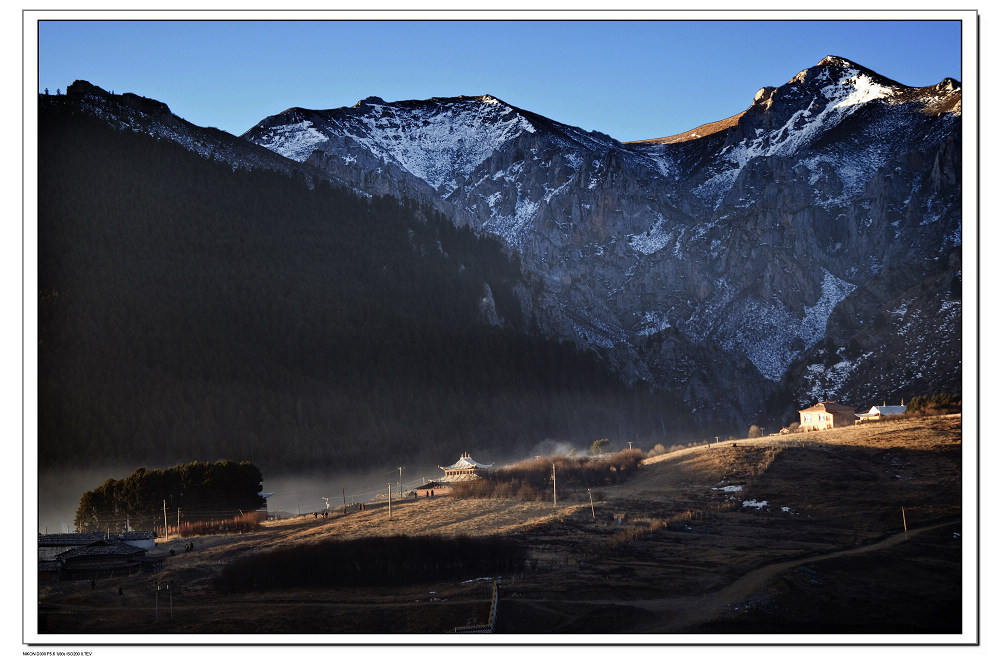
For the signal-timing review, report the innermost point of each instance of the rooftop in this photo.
(828, 407)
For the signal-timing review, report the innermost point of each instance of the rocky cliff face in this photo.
(710, 262)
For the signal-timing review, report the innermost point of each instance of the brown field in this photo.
(814, 543)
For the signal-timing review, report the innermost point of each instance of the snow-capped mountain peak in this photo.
(440, 140)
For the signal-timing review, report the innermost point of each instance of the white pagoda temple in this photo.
(466, 468)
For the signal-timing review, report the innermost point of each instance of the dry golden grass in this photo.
(698, 132)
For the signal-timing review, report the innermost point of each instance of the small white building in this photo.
(878, 412)
(142, 539)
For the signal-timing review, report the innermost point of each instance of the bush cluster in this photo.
(373, 561)
(242, 523)
(935, 404)
(532, 480)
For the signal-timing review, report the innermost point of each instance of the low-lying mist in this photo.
(300, 492)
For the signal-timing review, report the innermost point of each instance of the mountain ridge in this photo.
(713, 264)
(583, 211)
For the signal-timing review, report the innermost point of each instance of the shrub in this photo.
(598, 446)
(238, 524)
(373, 561)
(532, 480)
(935, 404)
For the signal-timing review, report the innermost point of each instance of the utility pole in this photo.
(164, 518)
(906, 535)
(399, 484)
(592, 513)
(553, 485)
(156, 605)
(389, 492)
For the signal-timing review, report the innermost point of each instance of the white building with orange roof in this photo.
(825, 415)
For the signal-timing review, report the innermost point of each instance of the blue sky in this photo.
(630, 79)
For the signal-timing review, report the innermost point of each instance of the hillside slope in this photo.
(798, 534)
(192, 311)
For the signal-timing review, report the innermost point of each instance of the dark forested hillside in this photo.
(191, 311)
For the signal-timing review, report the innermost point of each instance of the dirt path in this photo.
(675, 615)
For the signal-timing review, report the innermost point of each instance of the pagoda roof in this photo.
(465, 462)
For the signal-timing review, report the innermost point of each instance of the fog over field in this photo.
(59, 493)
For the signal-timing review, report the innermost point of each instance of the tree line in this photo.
(198, 490)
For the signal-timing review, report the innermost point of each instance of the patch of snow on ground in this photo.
(843, 98)
(947, 306)
(732, 488)
(550, 193)
(813, 325)
(442, 144)
(822, 380)
(900, 311)
(511, 228)
(652, 323)
(654, 239)
(755, 503)
(295, 141)
(766, 332)
(853, 171)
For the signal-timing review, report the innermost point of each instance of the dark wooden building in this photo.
(100, 560)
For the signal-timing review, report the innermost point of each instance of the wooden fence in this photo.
(491, 625)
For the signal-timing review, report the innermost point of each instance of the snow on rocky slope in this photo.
(708, 263)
